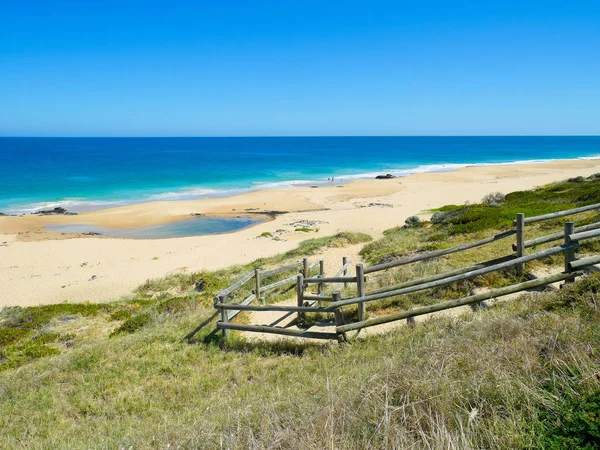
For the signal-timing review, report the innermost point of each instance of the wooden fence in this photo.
(332, 303)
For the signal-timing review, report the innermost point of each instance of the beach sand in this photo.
(42, 267)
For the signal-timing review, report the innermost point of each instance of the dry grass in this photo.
(478, 381)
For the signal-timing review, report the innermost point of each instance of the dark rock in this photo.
(92, 233)
(385, 177)
(200, 286)
(93, 278)
(56, 211)
(197, 214)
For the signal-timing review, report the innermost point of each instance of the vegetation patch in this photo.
(122, 314)
(132, 324)
(573, 423)
(9, 336)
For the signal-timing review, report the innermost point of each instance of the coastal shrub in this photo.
(412, 221)
(576, 180)
(36, 317)
(132, 324)
(438, 217)
(266, 234)
(176, 305)
(122, 314)
(21, 354)
(493, 198)
(304, 229)
(573, 423)
(10, 336)
(45, 338)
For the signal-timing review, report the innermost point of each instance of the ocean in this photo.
(89, 173)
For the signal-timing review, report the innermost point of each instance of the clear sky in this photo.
(283, 67)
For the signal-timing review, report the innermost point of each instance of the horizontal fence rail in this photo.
(438, 253)
(284, 308)
(559, 214)
(584, 235)
(268, 287)
(276, 330)
(440, 276)
(557, 236)
(450, 280)
(268, 273)
(319, 280)
(316, 297)
(456, 303)
(584, 262)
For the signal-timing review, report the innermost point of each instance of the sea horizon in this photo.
(85, 173)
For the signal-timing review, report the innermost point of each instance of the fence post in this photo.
(339, 316)
(321, 274)
(224, 313)
(570, 252)
(360, 290)
(520, 242)
(305, 269)
(344, 262)
(300, 295)
(257, 280)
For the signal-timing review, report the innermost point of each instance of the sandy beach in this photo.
(42, 267)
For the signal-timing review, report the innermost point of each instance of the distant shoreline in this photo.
(40, 266)
(207, 193)
(84, 174)
(258, 202)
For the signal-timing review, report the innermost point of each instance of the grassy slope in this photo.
(522, 374)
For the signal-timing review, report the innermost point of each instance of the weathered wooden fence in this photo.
(332, 303)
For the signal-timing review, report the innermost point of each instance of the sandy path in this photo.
(37, 268)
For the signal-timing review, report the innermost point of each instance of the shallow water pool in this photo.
(197, 226)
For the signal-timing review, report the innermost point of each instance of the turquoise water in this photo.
(90, 173)
(183, 228)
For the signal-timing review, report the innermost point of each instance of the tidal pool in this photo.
(197, 226)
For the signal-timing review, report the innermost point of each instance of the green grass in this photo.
(543, 200)
(484, 380)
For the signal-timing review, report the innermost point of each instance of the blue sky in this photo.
(246, 68)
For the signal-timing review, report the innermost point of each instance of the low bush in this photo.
(132, 324)
(412, 222)
(493, 198)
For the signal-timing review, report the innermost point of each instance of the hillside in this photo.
(522, 374)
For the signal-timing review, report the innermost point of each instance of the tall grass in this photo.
(484, 380)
